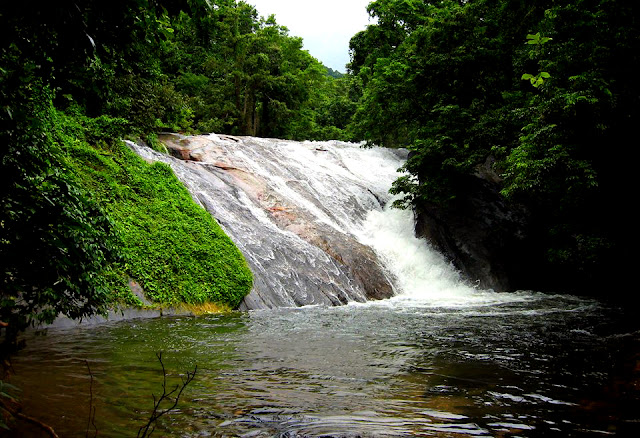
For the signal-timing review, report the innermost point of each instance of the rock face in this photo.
(481, 234)
(293, 209)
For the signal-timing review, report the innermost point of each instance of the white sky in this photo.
(326, 26)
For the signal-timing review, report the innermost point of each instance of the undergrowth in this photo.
(171, 246)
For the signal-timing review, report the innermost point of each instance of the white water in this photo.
(277, 199)
(423, 276)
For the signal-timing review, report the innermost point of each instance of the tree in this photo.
(56, 244)
(444, 80)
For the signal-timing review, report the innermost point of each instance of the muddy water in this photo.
(501, 365)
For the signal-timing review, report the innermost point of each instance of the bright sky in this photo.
(326, 26)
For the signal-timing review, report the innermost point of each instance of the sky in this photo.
(326, 26)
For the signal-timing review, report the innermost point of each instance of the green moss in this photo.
(171, 246)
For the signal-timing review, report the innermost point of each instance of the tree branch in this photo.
(148, 428)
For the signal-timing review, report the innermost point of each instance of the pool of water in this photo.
(500, 365)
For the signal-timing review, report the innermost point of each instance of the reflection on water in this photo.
(528, 365)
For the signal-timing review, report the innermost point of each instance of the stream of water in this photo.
(440, 358)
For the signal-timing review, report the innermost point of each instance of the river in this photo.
(509, 365)
(438, 358)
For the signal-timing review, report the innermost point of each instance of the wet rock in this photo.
(360, 261)
(480, 233)
(287, 227)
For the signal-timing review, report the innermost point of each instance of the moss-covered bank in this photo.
(172, 247)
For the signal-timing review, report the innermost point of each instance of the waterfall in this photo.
(423, 276)
(312, 219)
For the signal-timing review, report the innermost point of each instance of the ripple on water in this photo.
(518, 369)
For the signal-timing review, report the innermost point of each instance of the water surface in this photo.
(501, 365)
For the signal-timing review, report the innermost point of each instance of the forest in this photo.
(546, 91)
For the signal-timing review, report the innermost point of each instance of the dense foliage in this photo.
(547, 89)
(56, 244)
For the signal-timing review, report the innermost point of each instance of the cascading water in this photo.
(306, 216)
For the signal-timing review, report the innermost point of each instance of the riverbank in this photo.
(143, 312)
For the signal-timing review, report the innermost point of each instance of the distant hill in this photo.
(334, 74)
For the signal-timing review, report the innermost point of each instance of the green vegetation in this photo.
(57, 246)
(170, 245)
(452, 81)
(96, 214)
(235, 73)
